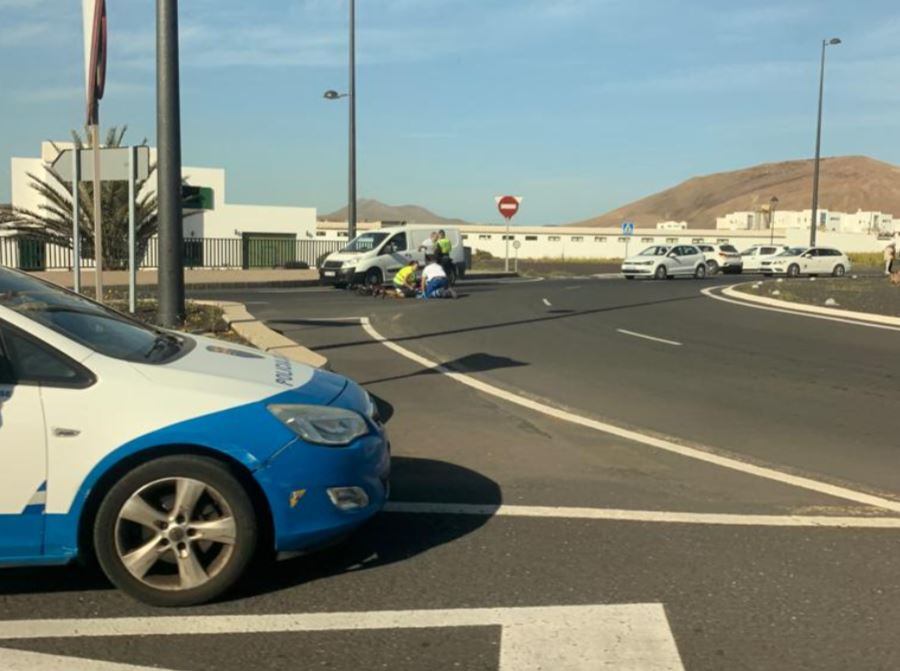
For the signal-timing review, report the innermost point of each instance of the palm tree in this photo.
(52, 222)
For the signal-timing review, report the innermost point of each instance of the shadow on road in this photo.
(387, 539)
(471, 363)
(484, 327)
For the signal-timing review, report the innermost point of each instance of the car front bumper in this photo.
(337, 275)
(297, 481)
(638, 270)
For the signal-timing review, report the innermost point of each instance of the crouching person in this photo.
(405, 280)
(434, 281)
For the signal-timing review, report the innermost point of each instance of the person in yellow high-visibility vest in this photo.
(405, 280)
(444, 246)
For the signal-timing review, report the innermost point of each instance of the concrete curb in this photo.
(261, 336)
(811, 309)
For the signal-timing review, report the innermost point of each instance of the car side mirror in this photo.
(807, 255)
(672, 255)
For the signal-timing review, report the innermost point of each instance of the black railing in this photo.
(29, 253)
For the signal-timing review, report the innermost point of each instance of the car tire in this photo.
(374, 277)
(629, 277)
(700, 271)
(793, 270)
(838, 271)
(167, 557)
(660, 273)
(712, 268)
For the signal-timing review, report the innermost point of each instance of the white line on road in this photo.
(20, 660)
(619, 515)
(649, 337)
(547, 303)
(710, 293)
(575, 638)
(635, 436)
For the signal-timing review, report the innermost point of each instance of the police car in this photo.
(170, 458)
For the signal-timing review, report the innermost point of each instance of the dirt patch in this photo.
(863, 294)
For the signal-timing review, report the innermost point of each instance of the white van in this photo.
(374, 257)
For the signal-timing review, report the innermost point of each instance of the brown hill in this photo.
(373, 210)
(846, 184)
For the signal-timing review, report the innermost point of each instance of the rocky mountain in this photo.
(373, 210)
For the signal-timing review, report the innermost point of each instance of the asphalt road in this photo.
(803, 397)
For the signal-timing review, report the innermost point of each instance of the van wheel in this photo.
(374, 277)
(177, 531)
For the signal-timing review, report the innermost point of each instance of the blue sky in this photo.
(578, 105)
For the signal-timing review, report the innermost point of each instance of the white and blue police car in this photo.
(170, 458)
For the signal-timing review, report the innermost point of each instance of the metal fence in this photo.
(28, 253)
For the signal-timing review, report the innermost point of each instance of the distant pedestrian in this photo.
(444, 247)
(434, 281)
(890, 255)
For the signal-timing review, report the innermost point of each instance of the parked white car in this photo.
(661, 262)
(808, 261)
(754, 257)
(725, 258)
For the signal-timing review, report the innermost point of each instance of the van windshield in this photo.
(365, 242)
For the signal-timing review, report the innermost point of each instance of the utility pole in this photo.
(168, 161)
(351, 209)
(815, 195)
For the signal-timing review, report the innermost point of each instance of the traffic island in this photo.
(865, 298)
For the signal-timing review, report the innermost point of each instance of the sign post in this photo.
(132, 268)
(95, 86)
(76, 230)
(627, 231)
(516, 246)
(508, 206)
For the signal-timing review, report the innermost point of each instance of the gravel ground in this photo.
(864, 294)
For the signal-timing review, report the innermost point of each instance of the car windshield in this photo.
(365, 242)
(654, 251)
(96, 327)
(793, 251)
(729, 248)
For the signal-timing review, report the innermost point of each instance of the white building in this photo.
(672, 226)
(223, 234)
(222, 220)
(840, 222)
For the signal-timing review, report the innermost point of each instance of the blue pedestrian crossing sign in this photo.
(627, 228)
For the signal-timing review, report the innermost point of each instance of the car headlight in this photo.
(321, 424)
(642, 263)
(351, 262)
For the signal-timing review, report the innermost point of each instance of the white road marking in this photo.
(619, 515)
(20, 660)
(547, 303)
(649, 337)
(710, 293)
(575, 638)
(637, 437)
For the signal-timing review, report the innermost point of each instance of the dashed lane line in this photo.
(674, 343)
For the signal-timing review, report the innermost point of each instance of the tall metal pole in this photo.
(76, 214)
(815, 197)
(132, 275)
(168, 161)
(506, 237)
(351, 208)
(98, 213)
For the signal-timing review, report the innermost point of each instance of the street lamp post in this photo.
(334, 95)
(815, 197)
(773, 202)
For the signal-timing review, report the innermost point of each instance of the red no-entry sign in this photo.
(508, 206)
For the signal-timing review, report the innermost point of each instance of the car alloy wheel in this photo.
(793, 270)
(712, 267)
(175, 532)
(838, 271)
(374, 277)
(700, 271)
(660, 273)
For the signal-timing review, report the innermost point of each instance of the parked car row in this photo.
(666, 261)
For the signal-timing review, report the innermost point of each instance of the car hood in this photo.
(344, 256)
(219, 368)
(640, 259)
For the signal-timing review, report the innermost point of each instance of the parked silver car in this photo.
(661, 262)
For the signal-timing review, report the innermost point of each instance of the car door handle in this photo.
(61, 432)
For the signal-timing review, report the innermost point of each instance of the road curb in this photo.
(811, 309)
(261, 336)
